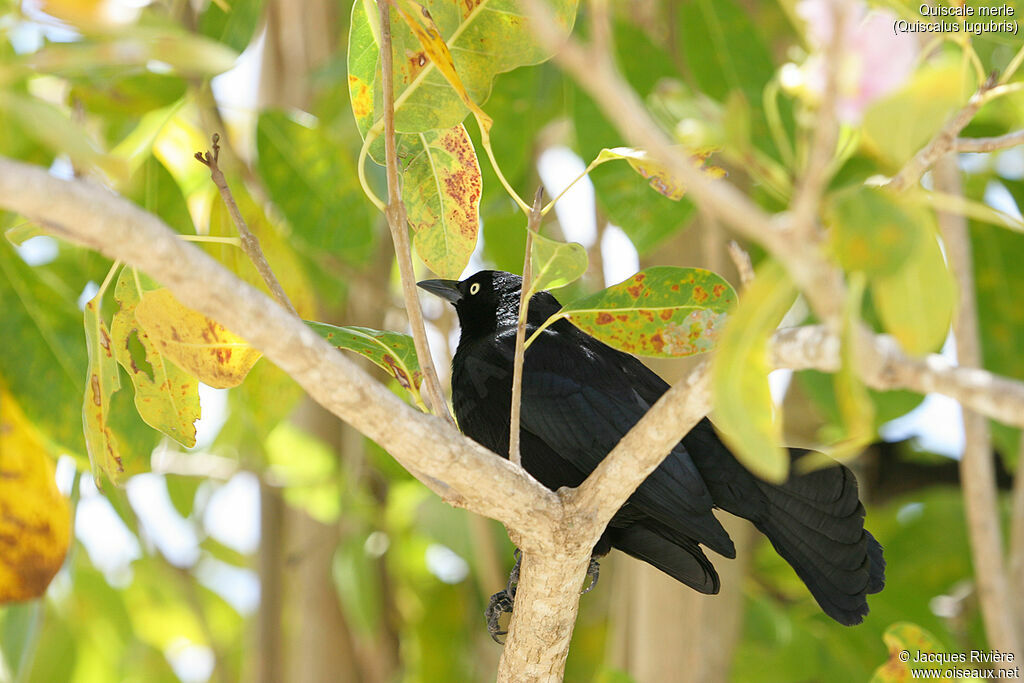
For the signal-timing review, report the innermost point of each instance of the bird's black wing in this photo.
(579, 400)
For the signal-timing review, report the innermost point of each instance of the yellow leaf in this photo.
(102, 382)
(166, 396)
(199, 345)
(418, 18)
(35, 527)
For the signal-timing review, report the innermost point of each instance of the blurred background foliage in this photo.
(285, 546)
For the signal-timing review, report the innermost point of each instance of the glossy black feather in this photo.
(581, 396)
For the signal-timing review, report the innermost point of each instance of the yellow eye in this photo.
(474, 288)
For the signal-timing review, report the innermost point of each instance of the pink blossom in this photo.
(873, 60)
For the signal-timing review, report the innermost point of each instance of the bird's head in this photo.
(488, 299)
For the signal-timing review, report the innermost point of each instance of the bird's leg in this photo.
(503, 601)
(593, 571)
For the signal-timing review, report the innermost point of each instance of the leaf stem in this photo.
(395, 213)
(212, 239)
(524, 304)
(485, 138)
(371, 135)
(249, 242)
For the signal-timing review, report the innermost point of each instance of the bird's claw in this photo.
(593, 571)
(503, 601)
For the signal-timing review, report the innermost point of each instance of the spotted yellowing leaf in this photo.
(873, 230)
(556, 264)
(656, 173)
(441, 188)
(904, 641)
(741, 399)
(201, 346)
(166, 396)
(484, 38)
(102, 381)
(393, 352)
(661, 311)
(35, 527)
(418, 19)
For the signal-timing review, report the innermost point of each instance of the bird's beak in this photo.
(446, 289)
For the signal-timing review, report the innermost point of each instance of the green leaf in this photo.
(55, 130)
(187, 53)
(998, 278)
(393, 352)
(101, 382)
(313, 181)
(661, 311)
(872, 230)
(556, 264)
(235, 27)
(485, 38)
(898, 125)
(741, 400)
(166, 396)
(724, 49)
(441, 189)
(915, 304)
(153, 188)
(45, 360)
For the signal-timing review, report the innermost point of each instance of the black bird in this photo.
(581, 396)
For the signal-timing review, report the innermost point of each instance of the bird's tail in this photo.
(815, 521)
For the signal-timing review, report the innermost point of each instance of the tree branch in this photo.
(250, 243)
(395, 213)
(944, 140)
(90, 215)
(990, 144)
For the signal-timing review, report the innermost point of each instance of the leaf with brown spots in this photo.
(35, 519)
(906, 637)
(873, 230)
(556, 264)
(483, 38)
(166, 396)
(657, 175)
(418, 19)
(741, 400)
(393, 352)
(661, 311)
(442, 188)
(102, 381)
(200, 346)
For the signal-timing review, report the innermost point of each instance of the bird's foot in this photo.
(503, 601)
(593, 571)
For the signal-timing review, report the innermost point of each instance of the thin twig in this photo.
(990, 144)
(812, 182)
(977, 470)
(741, 259)
(395, 214)
(945, 140)
(250, 243)
(524, 305)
